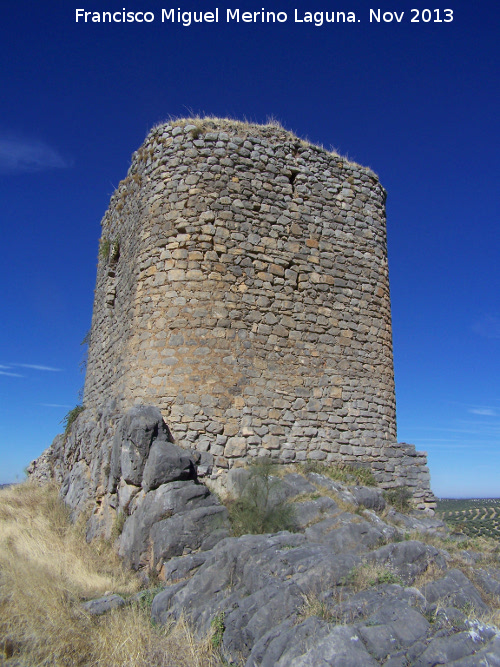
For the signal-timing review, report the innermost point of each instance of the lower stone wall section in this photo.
(108, 459)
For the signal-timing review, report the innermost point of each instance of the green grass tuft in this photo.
(70, 418)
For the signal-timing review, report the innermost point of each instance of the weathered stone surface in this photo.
(345, 532)
(199, 528)
(179, 568)
(408, 559)
(368, 497)
(312, 511)
(489, 580)
(236, 481)
(138, 429)
(166, 463)
(339, 489)
(293, 485)
(286, 638)
(394, 626)
(288, 599)
(75, 487)
(487, 656)
(446, 650)
(291, 598)
(260, 585)
(103, 605)
(418, 522)
(342, 647)
(454, 589)
(154, 507)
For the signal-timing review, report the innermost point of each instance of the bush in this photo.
(261, 508)
(400, 498)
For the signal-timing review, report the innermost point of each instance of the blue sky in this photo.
(416, 102)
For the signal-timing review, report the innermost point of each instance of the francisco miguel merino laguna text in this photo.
(263, 16)
(232, 15)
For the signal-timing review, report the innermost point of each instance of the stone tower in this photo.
(242, 288)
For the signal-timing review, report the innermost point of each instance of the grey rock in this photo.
(138, 429)
(390, 533)
(345, 532)
(445, 650)
(489, 581)
(408, 559)
(188, 530)
(235, 568)
(76, 488)
(176, 569)
(454, 589)
(260, 585)
(398, 659)
(401, 624)
(418, 522)
(162, 503)
(330, 485)
(166, 463)
(373, 606)
(255, 614)
(294, 484)
(488, 656)
(236, 481)
(369, 497)
(161, 603)
(451, 618)
(311, 511)
(103, 604)
(471, 557)
(294, 640)
(342, 647)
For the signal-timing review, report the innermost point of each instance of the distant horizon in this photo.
(6, 484)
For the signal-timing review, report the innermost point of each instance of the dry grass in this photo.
(207, 123)
(490, 618)
(47, 569)
(313, 605)
(457, 559)
(339, 472)
(432, 573)
(487, 547)
(371, 574)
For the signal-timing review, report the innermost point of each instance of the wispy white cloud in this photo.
(488, 326)
(24, 156)
(12, 375)
(487, 412)
(38, 367)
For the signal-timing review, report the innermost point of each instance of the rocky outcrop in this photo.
(136, 484)
(356, 584)
(349, 589)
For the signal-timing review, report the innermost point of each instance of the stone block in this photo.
(235, 447)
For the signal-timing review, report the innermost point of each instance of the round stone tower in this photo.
(243, 288)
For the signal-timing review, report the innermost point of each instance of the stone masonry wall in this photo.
(243, 288)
